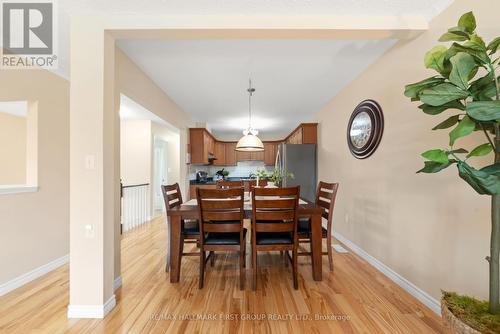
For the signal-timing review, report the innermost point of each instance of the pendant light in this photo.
(250, 142)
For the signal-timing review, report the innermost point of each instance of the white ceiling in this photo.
(294, 79)
(68, 8)
(208, 79)
(16, 108)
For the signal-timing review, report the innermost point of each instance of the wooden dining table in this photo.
(189, 210)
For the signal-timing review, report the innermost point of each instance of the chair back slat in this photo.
(279, 203)
(171, 195)
(217, 206)
(325, 197)
(275, 209)
(221, 215)
(214, 204)
(229, 184)
(274, 227)
(275, 215)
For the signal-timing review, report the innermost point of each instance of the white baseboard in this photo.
(117, 283)
(33, 274)
(411, 288)
(91, 311)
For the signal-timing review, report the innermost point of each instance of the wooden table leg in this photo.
(175, 248)
(316, 243)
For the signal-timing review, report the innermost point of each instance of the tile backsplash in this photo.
(242, 169)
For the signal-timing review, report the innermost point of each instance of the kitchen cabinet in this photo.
(243, 156)
(220, 154)
(305, 133)
(257, 156)
(269, 154)
(203, 144)
(230, 157)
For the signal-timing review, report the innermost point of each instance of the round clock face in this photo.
(361, 129)
(365, 129)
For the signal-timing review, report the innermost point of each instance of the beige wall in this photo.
(12, 149)
(35, 226)
(139, 87)
(431, 229)
(135, 152)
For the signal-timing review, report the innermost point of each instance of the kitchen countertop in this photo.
(212, 181)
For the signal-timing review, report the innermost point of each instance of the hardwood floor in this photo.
(362, 299)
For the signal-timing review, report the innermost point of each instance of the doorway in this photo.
(160, 174)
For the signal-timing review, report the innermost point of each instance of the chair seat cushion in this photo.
(273, 238)
(303, 227)
(221, 238)
(191, 226)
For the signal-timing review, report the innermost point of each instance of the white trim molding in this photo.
(411, 288)
(91, 311)
(117, 283)
(17, 188)
(33, 274)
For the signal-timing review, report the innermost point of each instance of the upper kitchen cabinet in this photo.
(220, 154)
(230, 150)
(201, 145)
(204, 147)
(243, 156)
(269, 153)
(305, 133)
(257, 156)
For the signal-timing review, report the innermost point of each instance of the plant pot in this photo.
(456, 325)
(271, 184)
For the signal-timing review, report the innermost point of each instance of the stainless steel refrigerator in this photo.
(301, 160)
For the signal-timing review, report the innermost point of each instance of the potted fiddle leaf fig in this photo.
(466, 90)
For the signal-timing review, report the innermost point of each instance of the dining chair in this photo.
(274, 225)
(221, 225)
(226, 184)
(190, 232)
(325, 197)
(253, 183)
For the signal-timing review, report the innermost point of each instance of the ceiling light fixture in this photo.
(250, 142)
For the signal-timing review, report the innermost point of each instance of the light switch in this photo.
(90, 162)
(89, 231)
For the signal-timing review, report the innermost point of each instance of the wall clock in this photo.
(365, 129)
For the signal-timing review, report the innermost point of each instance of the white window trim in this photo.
(17, 188)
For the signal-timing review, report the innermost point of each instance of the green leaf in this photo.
(452, 36)
(435, 57)
(480, 84)
(479, 55)
(431, 110)
(459, 150)
(412, 90)
(493, 46)
(448, 123)
(441, 94)
(492, 169)
(484, 110)
(462, 66)
(480, 150)
(464, 128)
(433, 167)
(475, 42)
(481, 181)
(437, 156)
(468, 22)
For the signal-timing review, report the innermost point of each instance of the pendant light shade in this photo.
(250, 142)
